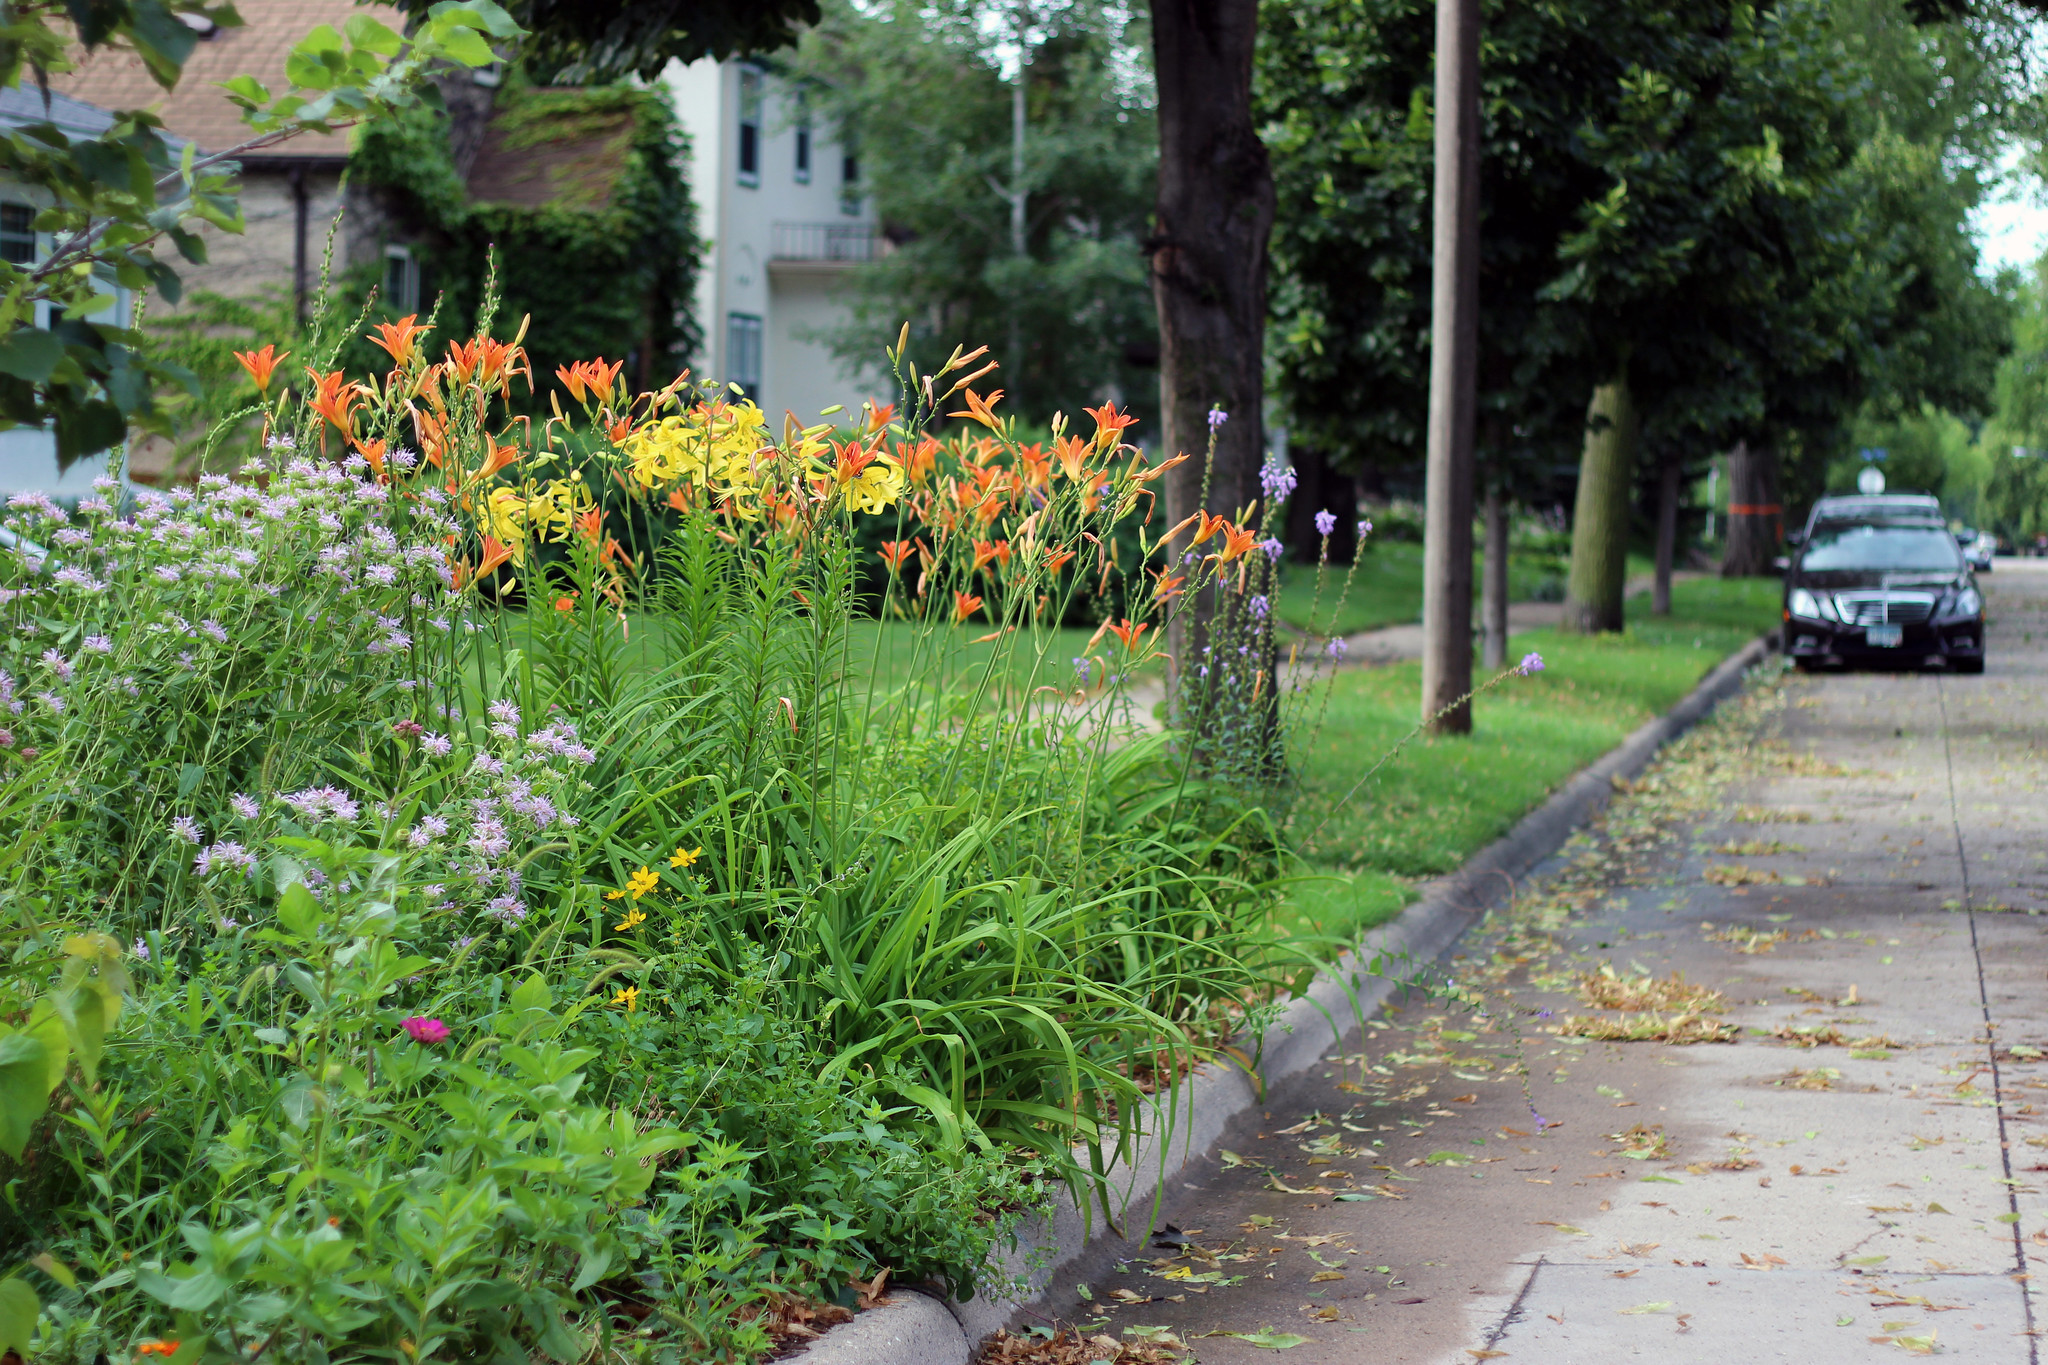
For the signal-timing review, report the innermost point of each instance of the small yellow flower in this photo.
(634, 917)
(614, 895)
(629, 997)
(642, 882)
(684, 857)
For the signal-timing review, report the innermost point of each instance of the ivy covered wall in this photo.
(583, 194)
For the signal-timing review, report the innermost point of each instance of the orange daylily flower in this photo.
(1144, 473)
(396, 338)
(499, 457)
(1034, 466)
(986, 554)
(261, 364)
(1056, 559)
(679, 499)
(853, 457)
(592, 377)
(1166, 586)
(496, 552)
(566, 603)
(879, 415)
(1209, 526)
(1129, 633)
(981, 410)
(334, 398)
(965, 604)
(1237, 542)
(373, 451)
(1109, 424)
(894, 552)
(589, 524)
(1072, 453)
(919, 461)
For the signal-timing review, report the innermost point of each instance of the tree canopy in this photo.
(589, 42)
(927, 94)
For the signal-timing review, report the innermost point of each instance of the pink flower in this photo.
(425, 1030)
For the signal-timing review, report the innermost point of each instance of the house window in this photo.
(849, 180)
(750, 126)
(803, 139)
(743, 353)
(17, 234)
(401, 280)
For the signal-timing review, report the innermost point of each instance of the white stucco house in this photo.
(783, 218)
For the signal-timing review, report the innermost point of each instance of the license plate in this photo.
(1884, 637)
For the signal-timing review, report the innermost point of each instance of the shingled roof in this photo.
(577, 163)
(198, 109)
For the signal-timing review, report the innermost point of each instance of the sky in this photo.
(2012, 229)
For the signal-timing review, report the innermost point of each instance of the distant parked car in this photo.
(1979, 548)
(1889, 584)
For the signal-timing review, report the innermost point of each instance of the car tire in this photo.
(1966, 665)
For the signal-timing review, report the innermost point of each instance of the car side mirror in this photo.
(1782, 563)
(1795, 538)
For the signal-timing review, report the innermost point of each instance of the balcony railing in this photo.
(822, 242)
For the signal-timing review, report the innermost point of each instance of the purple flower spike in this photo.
(1273, 548)
(1326, 522)
(1217, 417)
(1335, 649)
(1531, 663)
(1365, 528)
(1260, 606)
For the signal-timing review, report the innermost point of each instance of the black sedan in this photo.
(1895, 592)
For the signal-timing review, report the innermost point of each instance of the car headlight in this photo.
(1968, 603)
(1803, 603)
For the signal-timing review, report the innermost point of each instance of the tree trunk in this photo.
(1208, 262)
(1756, 523)
(1593, 593)
(1667, 531)
(1493, 591)
(1453, 375)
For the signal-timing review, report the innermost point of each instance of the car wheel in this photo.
(1966, 665)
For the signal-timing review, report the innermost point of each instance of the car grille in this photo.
(1884, 608)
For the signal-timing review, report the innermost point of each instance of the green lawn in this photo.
(1387, 589)
(1441, 800)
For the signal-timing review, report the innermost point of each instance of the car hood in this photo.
(1837, 580)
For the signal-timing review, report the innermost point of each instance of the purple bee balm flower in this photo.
(186, 828)
(1273, 548)
(438, 745)
(141, 950)
(1217, 417)
(424, 1030)
(1260, 606)
(1326, 522)
(97, 644)
(245, 805)
(407, 729)
(1531, 663)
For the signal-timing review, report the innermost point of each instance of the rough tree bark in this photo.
(1756, 523)
(1493, 585)
(1208, 261)
(1667, 531)
(1453, 375)
(1593, 592)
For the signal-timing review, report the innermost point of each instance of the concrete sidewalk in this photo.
(1854, 863)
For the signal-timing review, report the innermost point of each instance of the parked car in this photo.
(1980, 549)
(1881, 584)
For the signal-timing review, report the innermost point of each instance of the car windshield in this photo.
(1866, 546)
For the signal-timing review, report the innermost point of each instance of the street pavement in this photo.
(1856, 864)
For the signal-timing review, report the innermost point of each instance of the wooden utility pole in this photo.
(1453, 373)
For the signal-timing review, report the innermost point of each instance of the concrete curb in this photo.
(1214, 1095)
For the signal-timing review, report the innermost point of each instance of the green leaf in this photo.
(1660, 1306)
(25, 1086)
(1268, 1339)
(1660, 1180)
(364, 32)
(18, 1312)
(298, 911)
(30, 354)
(190, 775)
(2007, 1218)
